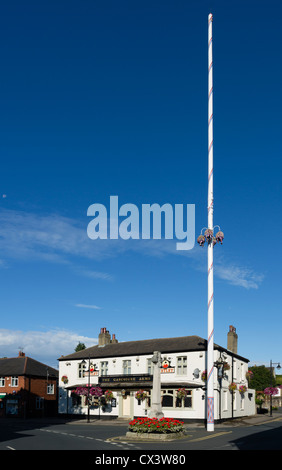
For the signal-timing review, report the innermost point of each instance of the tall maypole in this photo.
(210, 367)
(211, 240)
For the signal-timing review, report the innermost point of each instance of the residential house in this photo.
(28, 388)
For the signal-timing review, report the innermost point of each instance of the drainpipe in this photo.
(232, 390)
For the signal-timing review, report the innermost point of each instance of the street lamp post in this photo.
(219, 365)
(272, 364)
(88, 389)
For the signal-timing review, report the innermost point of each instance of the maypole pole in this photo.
(210, 366)
(211, 240)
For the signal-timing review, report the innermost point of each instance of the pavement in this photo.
(253, 420)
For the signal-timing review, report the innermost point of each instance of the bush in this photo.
(163, 425)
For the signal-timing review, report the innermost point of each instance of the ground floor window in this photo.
(76, 399)
(12, 407)
(169, 399)
(39, 403)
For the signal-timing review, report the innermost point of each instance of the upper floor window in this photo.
(2, 381)
(81, 370)
(104, 368)
(235, 369)
(50, 389)
(14, 381)
(126, 365)
(182, 365)
(149, 366)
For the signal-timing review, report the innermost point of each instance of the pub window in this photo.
(76, 400)
(225, 401)
(167, 399)
(81, 370)
(104, 368)
(185, 402)
(242, 402)
(126, 365)
(149, 366)
(170, 399)
(235, 369)
(182, 365)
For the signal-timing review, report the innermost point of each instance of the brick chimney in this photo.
(21, 354)
(105, 337)
(232, 339)
(114, 340)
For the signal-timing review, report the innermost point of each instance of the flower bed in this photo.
(154, 425)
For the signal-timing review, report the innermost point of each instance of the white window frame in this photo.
(126, 367)
(173, 394)
(2, 381)
(225, 400)
(50, 389)
(104, 367)
(81, 370)
(181, 365)
(14, 381)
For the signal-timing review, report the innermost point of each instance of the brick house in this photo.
(28, 388)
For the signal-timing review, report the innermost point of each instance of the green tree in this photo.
(278, 379)
(80, 347)
(262, 378)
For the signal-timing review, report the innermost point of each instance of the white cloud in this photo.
(239, 276)
(59, 239)
(44, 346)
(95, 307)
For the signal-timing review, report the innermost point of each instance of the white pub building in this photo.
(126, 368)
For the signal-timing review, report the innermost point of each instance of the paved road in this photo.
(109, 438)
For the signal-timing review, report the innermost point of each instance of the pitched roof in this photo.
(25, 366)
(147, 346)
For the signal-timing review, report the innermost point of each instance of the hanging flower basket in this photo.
(249, 374)
(65, 379)
(181, 393)
(271, 391)
(232, 387)
(141, 395)
(201, 240)
(85, 391)
(108, 395)
(209, 235)
(242, 389)
(204, 375)
(219, 237)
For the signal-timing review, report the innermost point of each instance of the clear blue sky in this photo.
(110, 98)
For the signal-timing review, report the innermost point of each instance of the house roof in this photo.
(147, 346)
(25, 366)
